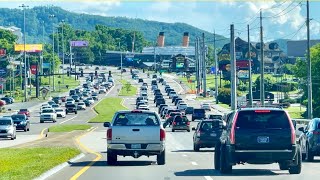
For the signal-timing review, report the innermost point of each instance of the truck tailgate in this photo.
(136, 134)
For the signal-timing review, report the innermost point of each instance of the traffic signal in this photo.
(68, 73)
(109, 73)
(91, 78)
(81, 73)
(96, 73)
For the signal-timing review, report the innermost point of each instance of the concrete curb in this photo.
(58, 168)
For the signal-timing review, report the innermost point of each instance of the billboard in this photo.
(29, 47)
(3, 52)
(79, 43)
(180, 62)
(45, 65)
(243, 74)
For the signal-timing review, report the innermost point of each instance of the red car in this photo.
(24, 111)
(63, 98)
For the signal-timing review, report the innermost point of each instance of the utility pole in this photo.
(233, 70)
(58, 46)
(120, 60)
(154, 58)
(53, 63)
(204, 52)
(41, 59)
(216, 69)
(70, 58)
(200, 65)
(24, 53)
(310, 108)
(250, 77)
(134, 38)
(197, 65)
(62, 52)
(261, 62)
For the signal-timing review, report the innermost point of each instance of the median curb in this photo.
(58, 168)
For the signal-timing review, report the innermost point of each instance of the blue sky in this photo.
(283, 19)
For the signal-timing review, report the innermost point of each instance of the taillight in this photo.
(167, 115)
(109, 134)
(293, 131)
(174, 123)
(316, 133)
(188, 123)
(162, 135)
(232, 133)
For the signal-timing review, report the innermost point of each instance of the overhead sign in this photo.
(3, 52)
(45, 65)
(213, 70)
(79, 43)
(28, 47)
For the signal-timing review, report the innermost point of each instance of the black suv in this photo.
(198, 114)
(258, 136)
(71, 108)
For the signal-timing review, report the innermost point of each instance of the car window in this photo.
(5, 122)
(17, 117)
(199, 111)
(47, 111)
(262, 119)
(136, 119)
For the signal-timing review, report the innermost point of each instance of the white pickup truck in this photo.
(135, 133)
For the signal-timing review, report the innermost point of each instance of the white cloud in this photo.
(97, 7)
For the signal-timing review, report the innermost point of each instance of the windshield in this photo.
(59, 110)
(262, 120)
(47, 111)
(136, 119)
(17, 117)
(5, 122)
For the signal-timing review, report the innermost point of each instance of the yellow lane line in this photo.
(41, 134)
(84, 169)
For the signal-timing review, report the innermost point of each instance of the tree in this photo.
(300, 71)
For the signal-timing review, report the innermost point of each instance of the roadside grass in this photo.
(106, 109)
(132, 89)
(224, 105)
(204, 98)
(295, 112)
(210, 81)
(69, 127)
(29, 163)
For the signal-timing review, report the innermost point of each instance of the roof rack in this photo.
(264, 106)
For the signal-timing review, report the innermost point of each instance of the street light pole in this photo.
(24, 51)
(310, 113)
(120, 60)
(62, 52)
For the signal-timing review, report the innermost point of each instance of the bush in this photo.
(225, 96)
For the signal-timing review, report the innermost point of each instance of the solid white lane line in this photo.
(194, 163)
(208, 178)
(184, 155)
(68, 119)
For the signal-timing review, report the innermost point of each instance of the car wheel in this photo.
(188, 130)
(111, 158)
(196, 148)
(172, 130)
(41, 121)
(76, 112)
(161, 158)
(25, 129)
(309, 154)
(225, 168)
(283, 166)
(296, 169)
(12, 137)
(217, 157)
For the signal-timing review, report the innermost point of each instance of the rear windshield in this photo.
(262, 119)
(181, 119)
(18, 117)
(23, 110)
(136, 119)
(215, 116)
(208, 125)
(199, 111)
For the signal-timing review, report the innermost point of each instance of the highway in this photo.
(181, 161)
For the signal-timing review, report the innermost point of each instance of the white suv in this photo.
(7, 128)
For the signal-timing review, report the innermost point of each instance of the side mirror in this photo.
(301, 129)
(106, 124)
(193, 128)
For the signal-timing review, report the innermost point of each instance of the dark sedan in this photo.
(21, 121)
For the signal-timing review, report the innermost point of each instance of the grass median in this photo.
(29, 163)
(296, 112)
(69, 127)
(127, 89)
(106, 109)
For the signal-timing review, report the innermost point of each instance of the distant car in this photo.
(51, 102)
(60, 112)
(182, 106)
(21, 121)
(214, 116)
(198, 114)
(154, 76)
(102, 90)
(54, 106)
(71, 108)
(206, 106)
(143, 107)
(160, 101)
(188, 110)
(140, 80)
(81, 106)
(70, 100)
(207, 134)
(76, 98)
(48, 114)
(25, 112)
(161, 106)
(180, 123)
(95, 97)
(97, 68)
(57, 100)
(7, 128)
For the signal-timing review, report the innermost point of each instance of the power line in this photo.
(279, 14)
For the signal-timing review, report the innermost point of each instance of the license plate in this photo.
(135, 146)
(213, 134)
(263, 139)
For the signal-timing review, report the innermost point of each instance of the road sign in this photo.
(79, 43)
(44, 91)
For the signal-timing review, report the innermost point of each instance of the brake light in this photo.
(262, 111)
(316, 133)
(188, 123)
(167, 115)
(162, 135)
(293, 131)
(109, 134)
(174, 123)
(232, 133)
(136, 111)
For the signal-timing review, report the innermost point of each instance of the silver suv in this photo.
(7, 128)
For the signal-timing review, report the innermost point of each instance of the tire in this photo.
(161, 158)
(217, 157)
(225, 168)
(188, 130)
(12, 137)
(172, 130)
(112, 158)
(41, 121)
(196, 148)
(309, 154)
(192, 119)
(25, 129)
(297, 169)
(283, 166)
(67, 112)
(76, 112)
